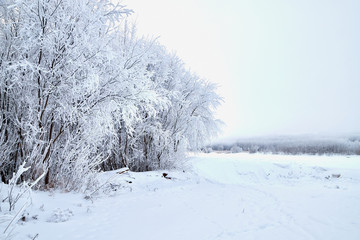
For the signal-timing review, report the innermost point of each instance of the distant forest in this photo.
(292, 145)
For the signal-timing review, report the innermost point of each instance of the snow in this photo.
(217, 196)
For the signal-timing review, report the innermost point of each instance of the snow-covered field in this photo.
(217, 196)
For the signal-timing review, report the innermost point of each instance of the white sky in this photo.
(283, 66)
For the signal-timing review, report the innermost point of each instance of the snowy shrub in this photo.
(236, 149)
(59, 215)
(254, 149)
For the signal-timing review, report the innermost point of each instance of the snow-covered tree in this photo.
(182, 119)
(80, 92)
(58, 69)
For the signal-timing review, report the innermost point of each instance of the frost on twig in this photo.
(16, 193)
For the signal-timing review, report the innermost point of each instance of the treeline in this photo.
(80, 92)
(292, 145)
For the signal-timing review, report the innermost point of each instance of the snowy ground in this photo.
(218, 196)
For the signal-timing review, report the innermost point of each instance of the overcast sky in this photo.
(283, 66)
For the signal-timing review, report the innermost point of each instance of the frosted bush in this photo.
(236, 149)
(59, 215)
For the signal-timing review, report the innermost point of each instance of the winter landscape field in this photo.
(214, 196)
(179, 120)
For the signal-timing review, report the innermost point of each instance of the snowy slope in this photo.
(218, 196)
